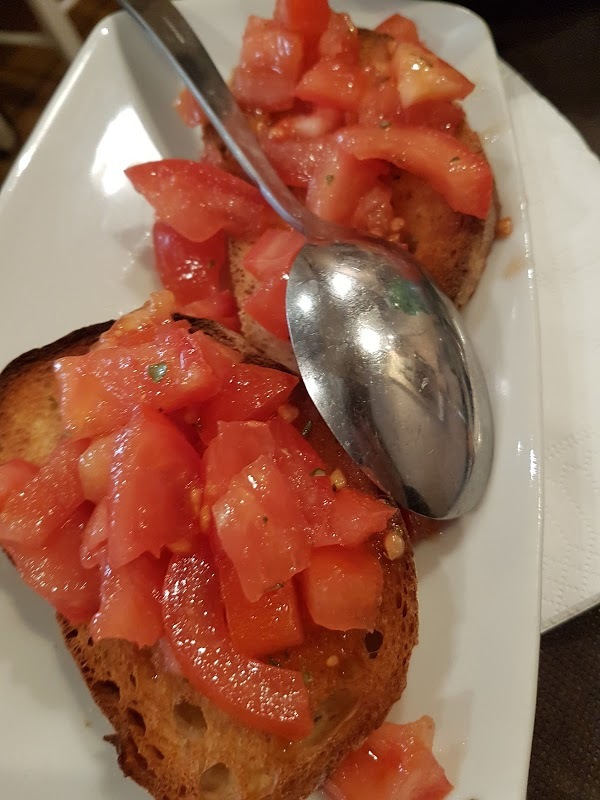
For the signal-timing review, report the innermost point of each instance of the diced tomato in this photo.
(266, 305)
(336, 83)
(94, 467)
(292, 443)
(374, 212)
(307, 17)
(139, 326)
(382, 105)
(316, 123)
(252, 393)
(267, 626)
(261, 527)
(340, 38)
(443, 115)
(261, 696)
(421, 75)
(47, 501)
(191, 270)
(295, 160)
(220, 357)
(273, 254)
(339, 182)
(353, 518)
(150, 496)
(199, 199)
(94, 540)
(342, 587)
(55, 572)
(236, 445)
(189, 109)
(14, 475)
(395, 762)
(462, 177)
(270, 66)
(99, 391)
(130, 605)
(400, 28)
(218, 306)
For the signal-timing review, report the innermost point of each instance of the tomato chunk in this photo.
(139, 326)
(340, 38)
(130, 605)
(252, 393)
(353, 518)
(94, 467)
(261, 696)
(312, 125)
(236, 445)
(374, 212)
(99, 391)
(14, 475)
(191, 270)
(266, 305)
(220, 357)
(218, 306)
(400, 28)
(336, 83)
(295, 159)
(94, 541)
(267, 626)
(308, 17)
(261, 528)
(396, 762)
(56, 574)
(270, 66)
(338, 183)
(189, 109)
(199, 199)
(462, 177)
(421, 75)
(47, 501)
(273, 254)
(342, 587)
(153, 474)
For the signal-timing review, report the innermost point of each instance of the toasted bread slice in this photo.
(452, 246)
(169, 738)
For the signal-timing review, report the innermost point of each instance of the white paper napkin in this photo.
(562, 182)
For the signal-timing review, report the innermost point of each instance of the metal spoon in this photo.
(383, 355)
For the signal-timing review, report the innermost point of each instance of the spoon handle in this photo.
(169, 30)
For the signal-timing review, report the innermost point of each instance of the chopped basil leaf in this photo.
(385, 123)
(265, 520)
(157, 371)
(307, 428)
(307, 677)
(273, 662)
(329, 178)
(455, 159)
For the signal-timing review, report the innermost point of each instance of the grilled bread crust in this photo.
(169, 738)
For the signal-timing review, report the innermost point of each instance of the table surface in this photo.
(556, 47)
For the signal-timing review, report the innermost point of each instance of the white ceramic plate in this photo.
(74, 241)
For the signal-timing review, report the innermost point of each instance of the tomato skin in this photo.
(218, 306)
(261, 696)
(199, 199)
(342, 587)
(189, 109)
(252, 393)
(336, 83)
(130, 606)
(269, 625)
(54, 571)
(400, 28)
(94, 467)
(338, 183)
(94, 540)
(14, 475)
(354, 517)
(395, 762)
(151, 478)
(266, 305)
(462, 177)
(261, 528)
(191, 270)
(45, 502)
(236, 445)
(270, 66)
(421, 75)
(307, 17)
(295, 159)
(99, 391)
(273, 254)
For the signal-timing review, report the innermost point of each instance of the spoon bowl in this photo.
(384, 356)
